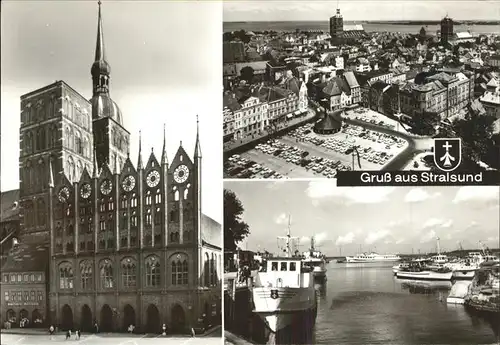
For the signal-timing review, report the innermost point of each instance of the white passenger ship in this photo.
(285, 291)
(372, 257)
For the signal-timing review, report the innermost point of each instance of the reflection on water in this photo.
(364, 303)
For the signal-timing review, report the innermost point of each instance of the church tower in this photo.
(336, 26)
(111, 139)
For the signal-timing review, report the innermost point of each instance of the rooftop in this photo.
(27, 257)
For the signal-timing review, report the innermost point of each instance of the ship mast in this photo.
(288, 239)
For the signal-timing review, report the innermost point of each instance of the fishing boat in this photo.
(284, 292)
(372, 257)
(419, 270)
(315, 260)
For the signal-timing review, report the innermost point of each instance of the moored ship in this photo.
(315, 260)
(285, 292)
(372, 257)
(419, 270)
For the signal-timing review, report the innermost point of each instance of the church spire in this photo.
(99, 47)
(197, 148)
(139, 161)
(164, 158)
(100, 68)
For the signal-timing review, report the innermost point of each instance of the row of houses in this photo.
(249, 111)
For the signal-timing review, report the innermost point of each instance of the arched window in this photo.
(148, 217)
(41, 213)
(65, 276)
(133, 219)
(27, 175)
(54, 135)
(86, 147)
(206, 270)
(179, 266)
(212, 270)
(129, 275)
(148, 198)
(79, 170)
(41, 139)
(78, 143)
(50, 107)
(40, 178)
(152, 271)
(158, 197)
(186, 191)
(86, 275)
(176, 195)
(67, 137)
(124, 222)
(133, 201)
(70, 230)
(157, 216)
(71, 169)
(106, 274)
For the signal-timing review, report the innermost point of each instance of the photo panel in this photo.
(307, 262)
(319, 88)
(111, 223)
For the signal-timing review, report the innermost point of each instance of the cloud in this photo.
(318, 239)
(476, 193)
(346, 239)
(281, 219)
(356, 195)
(428, 237)
(419, 195)
(437, 223)
(376, 236)
(401, 240)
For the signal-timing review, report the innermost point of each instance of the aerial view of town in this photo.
(305, 99)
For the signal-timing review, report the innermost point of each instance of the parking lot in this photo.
(303, 153)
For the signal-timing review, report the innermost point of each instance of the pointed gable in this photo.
(128, 168)
(85, 177)
(105, 172)
(152, 161)
(181, 157)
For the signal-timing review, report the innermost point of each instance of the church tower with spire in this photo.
(111, 139)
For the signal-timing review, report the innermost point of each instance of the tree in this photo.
(235, 229)
(424, 123)
(476, 132)
(247, 74)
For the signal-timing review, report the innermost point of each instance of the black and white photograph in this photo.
(111, 186)
(312, 88)
(311, 263)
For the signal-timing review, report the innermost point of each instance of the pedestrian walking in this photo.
(78, 334)
(68, 334)
(193, 334)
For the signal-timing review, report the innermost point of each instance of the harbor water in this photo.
(367, 304)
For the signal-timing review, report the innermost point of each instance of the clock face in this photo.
(128, 183)
(153, 178)
(63, 195)
(181, 174)
(85, 191)
(106, 187)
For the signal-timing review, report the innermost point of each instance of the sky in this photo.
(287, 10)
(387, 220)
(164, 69)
